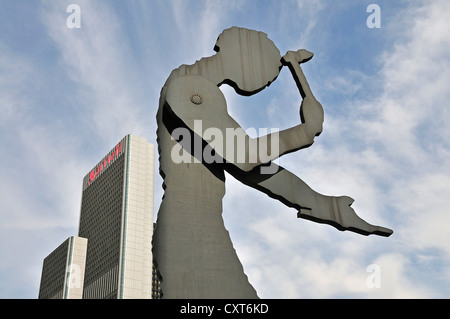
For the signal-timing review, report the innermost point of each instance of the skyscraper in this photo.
(63, 270)
(116, 218)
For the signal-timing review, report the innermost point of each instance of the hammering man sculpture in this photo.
(192, 249)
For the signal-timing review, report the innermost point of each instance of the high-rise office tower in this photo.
(116, 218)
(63, 270)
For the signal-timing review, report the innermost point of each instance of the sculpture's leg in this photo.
(191, 246)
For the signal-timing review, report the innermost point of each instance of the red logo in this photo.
(103, 164)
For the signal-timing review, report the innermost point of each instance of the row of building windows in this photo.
(104, 286)
(100, 222)
(156, 284)
(54, 272)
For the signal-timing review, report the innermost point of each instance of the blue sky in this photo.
(68, 95)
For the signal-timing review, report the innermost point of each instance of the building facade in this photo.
(63, 270)
(116, 218)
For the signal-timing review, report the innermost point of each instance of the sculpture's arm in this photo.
(294, 192)
(197, 104)
(311, 111)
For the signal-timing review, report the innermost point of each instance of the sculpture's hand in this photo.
(337, 211)
(299, 56)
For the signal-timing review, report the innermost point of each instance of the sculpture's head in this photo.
(250, 60)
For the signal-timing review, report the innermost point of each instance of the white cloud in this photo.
(36, 154)
(423, 205)
(346, 85)
(97, 58)
(200, 23)
(309, 10)
(394, 282)
(410, 126)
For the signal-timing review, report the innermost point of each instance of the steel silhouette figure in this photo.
(192, 249)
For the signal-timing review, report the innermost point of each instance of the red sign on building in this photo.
(112, 155)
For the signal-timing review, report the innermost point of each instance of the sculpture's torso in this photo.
(193, 251)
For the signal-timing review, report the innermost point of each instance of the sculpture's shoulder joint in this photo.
(195, 97)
